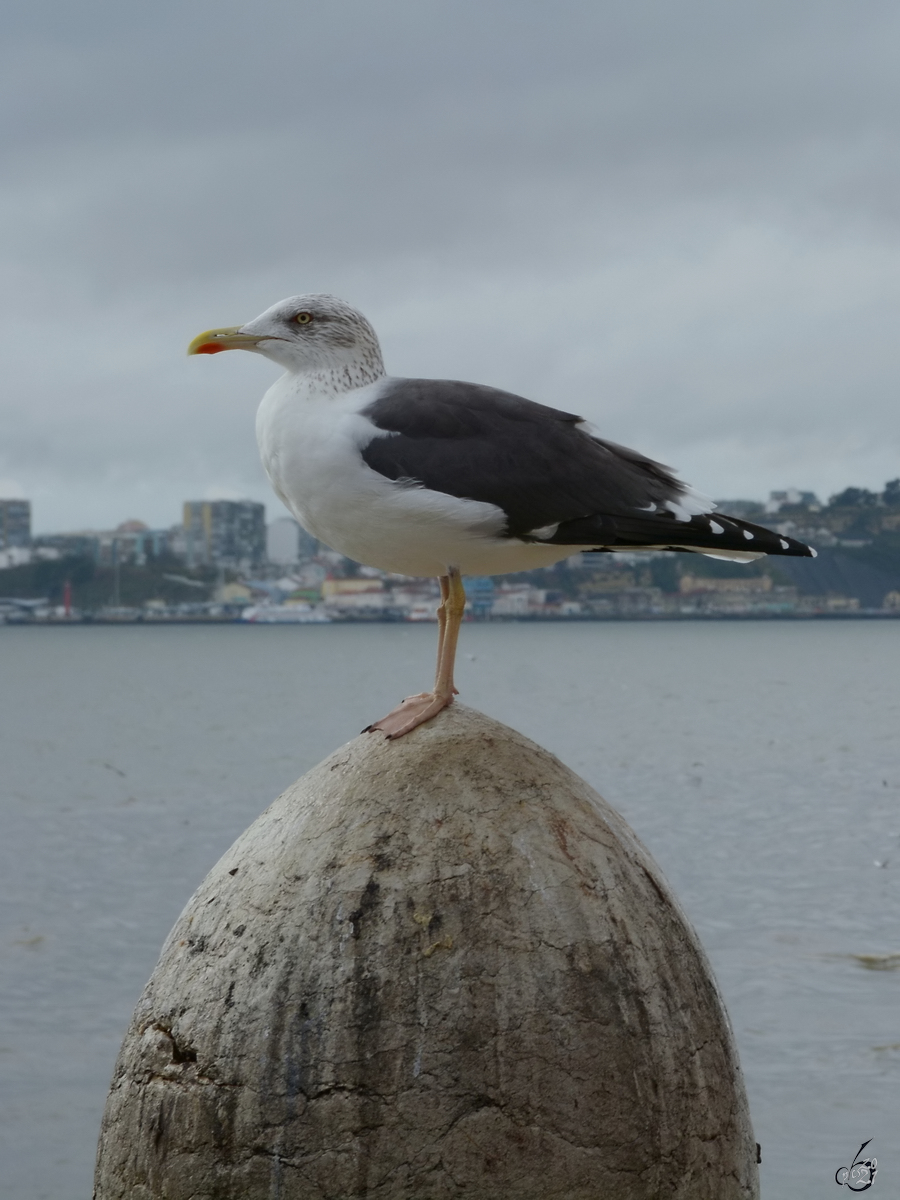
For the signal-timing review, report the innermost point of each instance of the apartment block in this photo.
(15, 523)
(227, 533)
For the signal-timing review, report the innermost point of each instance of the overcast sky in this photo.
(679, 219)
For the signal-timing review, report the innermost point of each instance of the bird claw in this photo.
(410, 713)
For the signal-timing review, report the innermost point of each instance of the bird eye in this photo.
(303, 318)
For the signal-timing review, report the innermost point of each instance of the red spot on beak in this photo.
(210, 348)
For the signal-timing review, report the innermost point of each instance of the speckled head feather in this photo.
(329, 339)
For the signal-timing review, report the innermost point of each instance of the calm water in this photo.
(758, 761)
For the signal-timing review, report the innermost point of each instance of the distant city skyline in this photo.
(237, 560)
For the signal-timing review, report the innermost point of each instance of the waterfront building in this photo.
(225, 533)
(517, 600)
(480, 591)
(356, 596)
(691, 584)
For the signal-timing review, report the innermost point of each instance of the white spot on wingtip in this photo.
(748, 535)
(716, 527)
(651, 507)
(813, 553)
(545, 531)
(784, 545)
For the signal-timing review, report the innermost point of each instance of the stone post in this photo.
(437, 967)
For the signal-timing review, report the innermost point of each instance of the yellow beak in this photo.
(215, 340)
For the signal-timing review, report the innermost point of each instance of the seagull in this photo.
(442, 478)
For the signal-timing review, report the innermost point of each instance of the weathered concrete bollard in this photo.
(437, 967)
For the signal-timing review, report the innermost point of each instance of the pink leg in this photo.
(444, 581)
(415, 710)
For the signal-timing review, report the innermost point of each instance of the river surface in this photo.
(758, 761)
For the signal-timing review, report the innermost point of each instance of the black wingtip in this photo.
(790, 546)
(704, 533)
(769, 541)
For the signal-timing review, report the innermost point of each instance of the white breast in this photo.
(311, 446)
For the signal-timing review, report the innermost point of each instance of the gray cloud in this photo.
(680, 220)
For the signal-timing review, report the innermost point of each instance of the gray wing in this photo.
(543, 469)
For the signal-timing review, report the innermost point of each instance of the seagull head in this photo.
(307, 335)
